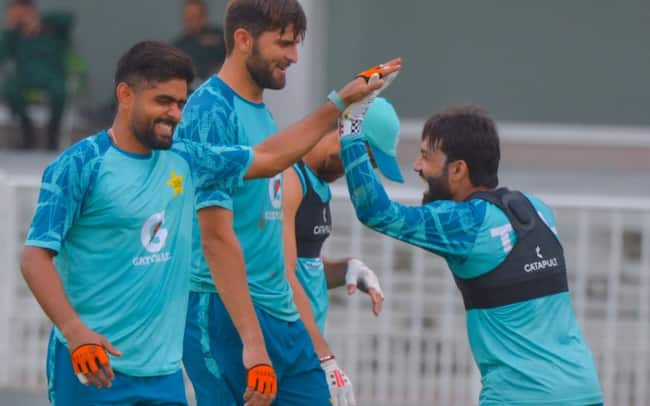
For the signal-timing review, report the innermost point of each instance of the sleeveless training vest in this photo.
(313, 220)
(534, 268)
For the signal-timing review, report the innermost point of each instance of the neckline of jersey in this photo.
(260, 105)
(127, 153)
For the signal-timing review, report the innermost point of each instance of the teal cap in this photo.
(381, 128)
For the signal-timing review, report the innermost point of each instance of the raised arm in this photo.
(444, 227)
(285, 148)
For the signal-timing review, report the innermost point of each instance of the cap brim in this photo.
(387, 164)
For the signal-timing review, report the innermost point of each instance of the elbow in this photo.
(270, 164)
(26, 263)
(31, 260)
(209, 244)
(363, 215)
(273, 166)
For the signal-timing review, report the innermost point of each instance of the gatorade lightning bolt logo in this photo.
(275, 191)
(152, 235)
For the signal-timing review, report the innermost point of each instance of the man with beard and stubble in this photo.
(307, 224)
(261, 37)
(503, 250)
(109, 248)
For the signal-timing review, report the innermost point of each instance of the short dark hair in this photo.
(467, 133)
(259, 16)
(149, 62)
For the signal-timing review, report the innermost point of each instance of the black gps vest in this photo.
(534, 268)
(313, 221)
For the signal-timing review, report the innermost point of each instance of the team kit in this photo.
(189, 235)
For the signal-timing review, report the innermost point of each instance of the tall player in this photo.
(110, 243)
(505, 255)
(261, 38)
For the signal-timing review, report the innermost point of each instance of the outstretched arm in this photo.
(287, 147)
(444, 227)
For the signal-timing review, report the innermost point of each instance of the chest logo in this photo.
(153, 234)
(275, 191)
(176, 183)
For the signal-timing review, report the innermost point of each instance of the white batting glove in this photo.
(341, 390)
(359, 276)
(352, 118)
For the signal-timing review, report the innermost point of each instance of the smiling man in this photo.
(262, 39)
(109, 248)
(521, 325)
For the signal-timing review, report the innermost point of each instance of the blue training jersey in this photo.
(216, 115)
(311, 270)
(121, 225)
(528, 353)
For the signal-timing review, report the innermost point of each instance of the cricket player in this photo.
(109, 249)
(504, 252)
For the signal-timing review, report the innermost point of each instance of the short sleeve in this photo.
(64, 185)
(208, 118)
(216, 171)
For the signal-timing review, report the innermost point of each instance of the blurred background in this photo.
(567, 83)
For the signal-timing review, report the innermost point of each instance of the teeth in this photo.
(167, 128)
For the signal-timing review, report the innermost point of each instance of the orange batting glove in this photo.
(88, 359)
(367, 74)
(261, 378)
(352, 117)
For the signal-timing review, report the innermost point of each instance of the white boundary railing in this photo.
(416, 352)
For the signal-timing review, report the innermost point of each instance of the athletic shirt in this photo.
(121, 224)
(530, 352)
(313, 226)
(216, 115)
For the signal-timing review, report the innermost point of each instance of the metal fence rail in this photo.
(416, 352)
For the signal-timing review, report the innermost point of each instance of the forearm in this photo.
(43, 280)
(228, 271)
(443, 227)
(371, 202)
(307, 316)
(287, 147)
(335, 271)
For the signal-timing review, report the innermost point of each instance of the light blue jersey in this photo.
(121, 224)
(216, 115)
(528, 353)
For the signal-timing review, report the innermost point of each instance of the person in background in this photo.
(202, 42)
(37, 45)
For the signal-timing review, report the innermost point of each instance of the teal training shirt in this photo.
(528, 353)
(216, 115)
(311, 271)
(121, 224)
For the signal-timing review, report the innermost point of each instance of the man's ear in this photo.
(124, 94)
(459, 170)
(243, 40)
